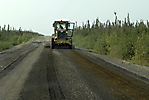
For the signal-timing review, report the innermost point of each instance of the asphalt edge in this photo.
(131, 73)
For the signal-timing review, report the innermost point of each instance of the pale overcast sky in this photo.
(39, 15)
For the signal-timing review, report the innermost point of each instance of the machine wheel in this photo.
(70, 46)
(52, 43)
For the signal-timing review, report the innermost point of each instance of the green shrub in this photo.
(128, 41)
(10, 38)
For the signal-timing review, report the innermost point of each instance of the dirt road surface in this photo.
(33, 71)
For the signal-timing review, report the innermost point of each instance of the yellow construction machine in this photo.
(63, 32)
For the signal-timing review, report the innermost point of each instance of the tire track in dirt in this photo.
(42, 83)
(54, 85)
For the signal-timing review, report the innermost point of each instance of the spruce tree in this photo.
(8, 29)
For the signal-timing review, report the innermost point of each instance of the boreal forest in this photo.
(120, 39)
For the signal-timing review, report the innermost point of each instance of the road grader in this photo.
(63, 32)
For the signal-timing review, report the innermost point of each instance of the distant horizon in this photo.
(39, 15)
(91, 22)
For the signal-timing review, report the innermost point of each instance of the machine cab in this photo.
(63, 27)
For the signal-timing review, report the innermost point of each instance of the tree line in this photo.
(121, 39)
(12, 37)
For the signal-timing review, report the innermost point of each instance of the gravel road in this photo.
(33, 71)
